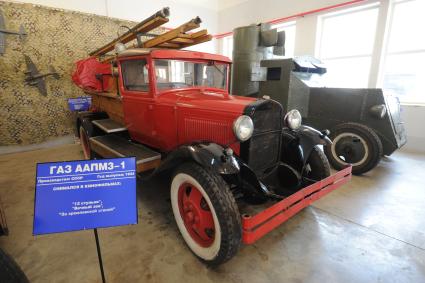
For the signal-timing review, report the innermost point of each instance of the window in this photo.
(135, 75)
(345, 44)
(184, 74)
(228, 46)
(274, 74)
(290, 31)
(403, 72)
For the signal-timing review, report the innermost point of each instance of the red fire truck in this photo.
(238, 166)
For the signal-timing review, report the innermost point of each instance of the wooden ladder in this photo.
(176, 38)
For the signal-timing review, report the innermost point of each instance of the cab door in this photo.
(138, 99)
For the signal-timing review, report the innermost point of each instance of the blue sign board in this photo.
(79, 195)
(80, 103)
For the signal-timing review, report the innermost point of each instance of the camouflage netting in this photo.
(55, 37)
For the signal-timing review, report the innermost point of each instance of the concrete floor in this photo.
(372, 230)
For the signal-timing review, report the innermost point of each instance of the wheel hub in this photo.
(350, 148)
(196, 215)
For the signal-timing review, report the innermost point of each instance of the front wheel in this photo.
(317, 166)
(206, 213)
(354, 144)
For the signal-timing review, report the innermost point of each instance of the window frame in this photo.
(123, 80)
(385, 53)
(159, 91)
(347, 11)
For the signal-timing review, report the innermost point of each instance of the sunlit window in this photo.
(177, 74)
(403, 72)
(290, 32)
(345, 44)
(228, 46)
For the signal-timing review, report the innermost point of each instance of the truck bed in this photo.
(110, 103)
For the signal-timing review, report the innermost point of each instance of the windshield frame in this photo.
(159, 91)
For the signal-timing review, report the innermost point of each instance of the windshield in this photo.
(185, 74)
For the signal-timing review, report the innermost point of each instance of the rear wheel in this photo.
(206, 213)
(354, 144)
(85, 143)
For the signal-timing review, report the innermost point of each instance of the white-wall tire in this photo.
(222, 206)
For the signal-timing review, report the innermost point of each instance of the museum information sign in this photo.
(79, 195)
(80, 103)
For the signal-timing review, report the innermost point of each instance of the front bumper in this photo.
(256, 226)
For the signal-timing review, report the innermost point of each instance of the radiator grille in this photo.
(201, 129)
(262, 151)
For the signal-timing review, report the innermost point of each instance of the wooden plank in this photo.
(190, 25)
(130, 35)
(174, 33)
(111, 104)
(169, 45)
(181, 40)
(198, 40)
(142, 167)
(185, 35)
(198, 34)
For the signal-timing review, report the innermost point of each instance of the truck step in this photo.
(109, 126)
(110, 146)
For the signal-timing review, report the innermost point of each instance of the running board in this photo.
(109, 126)
(110, 146)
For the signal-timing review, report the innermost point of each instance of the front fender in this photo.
(208, 155)
(297, 145)
(310, 137)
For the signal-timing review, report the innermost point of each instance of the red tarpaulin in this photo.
(84, 75)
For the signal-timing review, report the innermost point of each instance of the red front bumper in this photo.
(256, 226)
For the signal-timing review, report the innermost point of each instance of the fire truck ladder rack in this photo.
(176, 38)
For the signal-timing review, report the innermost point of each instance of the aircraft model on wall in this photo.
(4, 32)
(34, 78)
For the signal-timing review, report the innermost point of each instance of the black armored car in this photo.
(364, 123)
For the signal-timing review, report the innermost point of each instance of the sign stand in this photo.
(99, 255)
(85, 194)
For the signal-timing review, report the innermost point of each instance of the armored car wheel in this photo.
(354, 144)
(317, 166)
(206, 213)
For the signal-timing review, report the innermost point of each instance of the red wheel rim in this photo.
(84, 143)
(196, 215)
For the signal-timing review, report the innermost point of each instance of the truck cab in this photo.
(167, 92)
(223, 153)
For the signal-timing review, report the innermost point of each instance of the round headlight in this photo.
(243, 127)
(293, 119)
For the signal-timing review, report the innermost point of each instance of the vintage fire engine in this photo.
(239, 166)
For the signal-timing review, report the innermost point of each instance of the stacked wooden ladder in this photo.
(176, 38)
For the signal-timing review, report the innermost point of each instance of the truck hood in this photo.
(207, 100)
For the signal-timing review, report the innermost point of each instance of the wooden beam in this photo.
(198, 40)
(174, 33)
(130, 35)
(181, 40)
(169, 45)
(185, 35)
(198, 33)
(190, 25)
